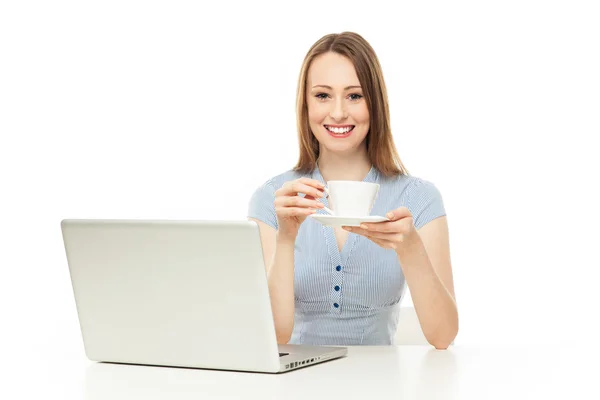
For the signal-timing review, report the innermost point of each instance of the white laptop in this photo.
(178, 293)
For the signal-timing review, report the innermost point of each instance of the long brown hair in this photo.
(380, 143)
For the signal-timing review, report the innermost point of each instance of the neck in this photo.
(345, 167)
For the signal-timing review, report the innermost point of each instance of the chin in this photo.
(350, 143)
(340, 148)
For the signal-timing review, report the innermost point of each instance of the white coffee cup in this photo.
(351, 198)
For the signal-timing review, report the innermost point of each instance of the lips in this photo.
(339, 130)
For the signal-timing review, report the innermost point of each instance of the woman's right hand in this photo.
(291, 209)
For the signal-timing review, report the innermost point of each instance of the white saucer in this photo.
(336, 221)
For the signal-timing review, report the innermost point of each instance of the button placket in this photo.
(336, 292)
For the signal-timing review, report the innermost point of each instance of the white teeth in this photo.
(339, 130)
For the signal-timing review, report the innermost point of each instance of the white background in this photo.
(177, 110)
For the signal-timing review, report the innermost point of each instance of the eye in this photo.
(321, 96)
(355, 96)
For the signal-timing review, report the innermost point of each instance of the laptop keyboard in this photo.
(283, 354)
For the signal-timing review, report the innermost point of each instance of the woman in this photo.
(343, 286)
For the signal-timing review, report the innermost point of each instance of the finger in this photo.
(318, 201)
(294, 211)
(357, 230)
(399, 226)
(297, 201)
(354, 229)
(308, 190)
(308, 196)
(387, 236)
(311, 182)
(380, 226)
(304, 185)
(295, 187)
(398, 213)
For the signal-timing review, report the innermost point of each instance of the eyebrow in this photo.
(330, 88)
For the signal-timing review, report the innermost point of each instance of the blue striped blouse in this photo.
(350, 297)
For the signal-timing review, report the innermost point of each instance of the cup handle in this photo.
(328, 210)
(327, 195)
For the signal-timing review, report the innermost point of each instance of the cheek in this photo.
(316, 113)
(362, 114)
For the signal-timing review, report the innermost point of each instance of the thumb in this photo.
(398, 213)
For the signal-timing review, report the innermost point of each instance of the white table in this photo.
(402, 372)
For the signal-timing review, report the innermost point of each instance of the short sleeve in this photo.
(262, 207)
(425, 202)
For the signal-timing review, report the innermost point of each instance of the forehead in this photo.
(333, 70)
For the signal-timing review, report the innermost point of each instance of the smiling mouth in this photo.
(339, 130)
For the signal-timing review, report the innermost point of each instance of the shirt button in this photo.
(337, 288)
(336, 305)
(338, 268)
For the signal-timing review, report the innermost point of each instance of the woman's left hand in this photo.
(390, 234)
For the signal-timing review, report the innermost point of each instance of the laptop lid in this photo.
(178, 293)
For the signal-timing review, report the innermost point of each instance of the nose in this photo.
(338, 111)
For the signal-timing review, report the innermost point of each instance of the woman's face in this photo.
(337, 111)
